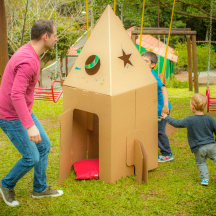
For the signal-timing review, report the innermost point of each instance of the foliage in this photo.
(202, 57)
(173, 82)
(64, 43)
(173, 189)
(192, 14)
(22, 14)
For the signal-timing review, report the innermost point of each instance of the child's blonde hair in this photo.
(199, 101)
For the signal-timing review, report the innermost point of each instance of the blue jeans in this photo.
(206, 151)
(33, 155)
(163, 141)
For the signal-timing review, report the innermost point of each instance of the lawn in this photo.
(174, 187)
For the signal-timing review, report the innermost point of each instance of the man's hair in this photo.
(199, 101)
(152, 56)
(41, 27)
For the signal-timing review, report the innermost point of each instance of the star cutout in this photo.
(125, 58)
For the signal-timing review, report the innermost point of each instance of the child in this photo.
(200, 128)
(164, 106)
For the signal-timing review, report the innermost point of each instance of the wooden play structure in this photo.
(191, 36)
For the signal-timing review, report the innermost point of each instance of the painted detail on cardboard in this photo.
(92, 65)
(76, 68)
(126, 58)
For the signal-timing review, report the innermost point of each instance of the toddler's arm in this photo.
(177, 123)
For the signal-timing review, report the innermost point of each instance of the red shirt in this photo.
(18, 84)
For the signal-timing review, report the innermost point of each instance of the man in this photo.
(16, 117)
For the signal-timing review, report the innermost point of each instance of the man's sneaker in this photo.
(204, 182)
(167, 158)
(8, 196)
(47, 192)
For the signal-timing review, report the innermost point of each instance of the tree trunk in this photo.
(122, 13)
(3, 42)
(207, 34)
(23, 30)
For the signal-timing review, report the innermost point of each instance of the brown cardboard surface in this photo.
(90, 121)
(93, 138)
(84, 139)
(105, 127)
(147, 119)
(138, 161)
(145, 161)
(108, 41)
(65, 147)
(113, 119)
(123, 121)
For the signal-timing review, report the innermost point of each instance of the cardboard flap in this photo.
(138, 161)
(138, 134)
(145, 161)
(66, 125)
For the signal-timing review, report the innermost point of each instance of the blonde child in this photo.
(200, 129)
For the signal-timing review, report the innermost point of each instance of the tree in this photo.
(66, 15)
(202, 57)
(192, 14)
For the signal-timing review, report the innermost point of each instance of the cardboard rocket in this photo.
(110, 107)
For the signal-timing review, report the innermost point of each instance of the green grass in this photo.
(174, 188)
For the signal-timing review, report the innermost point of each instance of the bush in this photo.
(173, 82)
(202, 57)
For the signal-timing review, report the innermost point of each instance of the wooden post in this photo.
(196, 84)
(66, 65)
(61, 65)
(41, 78)
(133, 38)
(189, 64)
(3, 41)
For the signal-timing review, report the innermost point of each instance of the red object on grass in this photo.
(211, 101)
(87, 169)
(46, 93)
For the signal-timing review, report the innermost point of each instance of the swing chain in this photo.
(209, 53)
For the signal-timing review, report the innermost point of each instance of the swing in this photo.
(211, 101)
(48, 94)
(162, 76)
(163, 79)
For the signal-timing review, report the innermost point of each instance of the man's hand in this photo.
(163, 115)
(34, 134)
(165, 110)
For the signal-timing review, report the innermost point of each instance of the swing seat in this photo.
(211, 101)
(47, 94)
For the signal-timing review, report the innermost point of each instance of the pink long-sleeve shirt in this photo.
(18, 84)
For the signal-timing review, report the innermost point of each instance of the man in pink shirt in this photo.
(16, 117)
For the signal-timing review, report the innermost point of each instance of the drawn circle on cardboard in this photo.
(92, 65)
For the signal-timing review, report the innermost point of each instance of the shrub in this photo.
(173, 82)
(202, 57)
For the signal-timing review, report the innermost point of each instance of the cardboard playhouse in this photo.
(110, 107)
